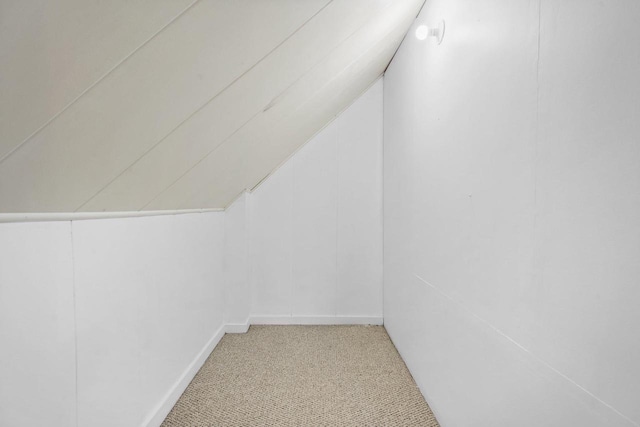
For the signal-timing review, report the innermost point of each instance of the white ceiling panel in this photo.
(208, 107)
(251, 154)
(144, 99)
(52, 51)
(234, 107)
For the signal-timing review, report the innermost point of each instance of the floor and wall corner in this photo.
(474, 199)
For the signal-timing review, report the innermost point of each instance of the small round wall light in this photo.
(423, 31)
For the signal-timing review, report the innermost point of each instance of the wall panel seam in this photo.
(464, 308)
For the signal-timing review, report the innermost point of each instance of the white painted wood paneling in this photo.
(236, 105)
(359, 217)
(52, 52)
(511, 198)
(170, 128)
(237, 294)
(315, 219)
(588, 192)
(271, 244)
(149, 299)
(304, 108)
(477, 375)
(306, 215)
(136, 106)
(114, 316)
(37, 331)
(470, 227)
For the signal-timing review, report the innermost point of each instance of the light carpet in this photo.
(303, 376)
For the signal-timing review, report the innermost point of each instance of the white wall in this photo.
(512, 192)
(236, 265)
(37, 333)
(316, 224)
(104, 322)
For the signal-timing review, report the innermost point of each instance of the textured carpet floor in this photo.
(303, 376)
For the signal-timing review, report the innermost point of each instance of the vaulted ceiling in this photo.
(127, 105)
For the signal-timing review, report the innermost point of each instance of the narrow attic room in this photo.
(320, 213)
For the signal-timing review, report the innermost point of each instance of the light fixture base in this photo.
(437, 32)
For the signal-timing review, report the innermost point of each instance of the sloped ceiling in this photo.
(127, 105)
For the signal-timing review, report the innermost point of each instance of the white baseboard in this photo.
(315, 320)
(237, 328)
(158, 415)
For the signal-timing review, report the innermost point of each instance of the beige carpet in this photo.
(303, 376)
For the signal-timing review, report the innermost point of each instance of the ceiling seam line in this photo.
(94, 84)
(200, 160)
(203, 106)
(333, 117)
(279, 96)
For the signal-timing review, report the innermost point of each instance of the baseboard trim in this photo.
(237, 328)
(157, 416)
(316, 320)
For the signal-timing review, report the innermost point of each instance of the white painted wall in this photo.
(114, 316)
(37, 333)
(512, 198)
(163, 277)
(105, 321)
(316, 224)
(236, 265)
